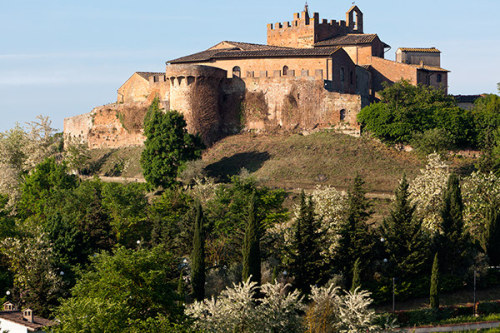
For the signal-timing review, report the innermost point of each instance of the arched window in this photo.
(342, 115)
(342, 74)
(285, 70)
(439, 78)
(236, 71)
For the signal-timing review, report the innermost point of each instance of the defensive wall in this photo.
(215, 106)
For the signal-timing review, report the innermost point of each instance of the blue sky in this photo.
(63, 57)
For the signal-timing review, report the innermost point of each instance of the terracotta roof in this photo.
(246, 46)
(431, 68)
(263, 53)
(349, 39)
(147, 75)
(17, 317)
(420, 49)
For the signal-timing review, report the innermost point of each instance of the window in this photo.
(342, 115)
(236, 71)
(351, 74)
(285, 70)
(342, 74)
(439, 78)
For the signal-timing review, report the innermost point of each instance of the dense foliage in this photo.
(168, 146)
(431, 121)
(116, 257)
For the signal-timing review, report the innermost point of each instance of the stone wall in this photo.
(109, 126)
(270, 104)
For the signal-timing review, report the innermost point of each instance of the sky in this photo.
(61, 58)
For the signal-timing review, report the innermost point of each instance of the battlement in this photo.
(303, 19)
(305, 31)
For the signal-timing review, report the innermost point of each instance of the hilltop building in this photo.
(312, 73)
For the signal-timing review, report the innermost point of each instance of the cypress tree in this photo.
(251, 246)
(434, 292)
(180, 287)
(405, 242)
(491, 242)
(198, 256)
(356, 275)
(453, 243)
(356, 240)
(307, 263)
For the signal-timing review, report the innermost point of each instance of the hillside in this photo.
(288, 161)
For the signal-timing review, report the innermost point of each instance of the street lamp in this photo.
(385, 260)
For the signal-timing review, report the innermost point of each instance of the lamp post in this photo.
(475, 300)
(382, 240)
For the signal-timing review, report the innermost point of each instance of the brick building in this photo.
(312, 73)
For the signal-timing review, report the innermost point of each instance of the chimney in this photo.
(28, 315)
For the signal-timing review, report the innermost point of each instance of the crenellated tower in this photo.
(304, 31)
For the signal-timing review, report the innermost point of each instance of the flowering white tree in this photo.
(334, 311)
(236, 310)
(21, 149)
(480, 191)
(426, 191)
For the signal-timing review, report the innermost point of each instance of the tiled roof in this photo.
(466, 98)
(17, 317)
(420, 49)
(247, 46)
(349, 39)
(147, 75)
(431, 68)
(262, 52)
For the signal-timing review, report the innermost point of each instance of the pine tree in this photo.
(251, 246)
(491, 242)
(434, 293)
(198, 256)
(453, 243)
(356, 240)
(405, 243)
(307, 262)
(356, 275)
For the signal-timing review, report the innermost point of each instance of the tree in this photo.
(251, 246)
(37, 279)
(121, 289)
(198, 256)
(406, 109)
(43, 188)
(426, 191)
(167, 147)
(453, 243)
(491, 238)
(356, 240)
(405, 243)
(434, 292)
(356, 275)
(235, 310)
(307, 261)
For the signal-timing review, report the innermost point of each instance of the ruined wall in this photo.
(109, 126)
(293, 103)
(78, 127)
(428, 58)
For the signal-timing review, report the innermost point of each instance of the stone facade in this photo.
(311, 74)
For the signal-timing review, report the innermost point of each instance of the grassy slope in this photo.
(296, 161)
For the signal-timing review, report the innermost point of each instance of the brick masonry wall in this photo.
(390, 71)
(271, 104)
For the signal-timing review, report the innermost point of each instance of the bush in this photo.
(435, 140)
